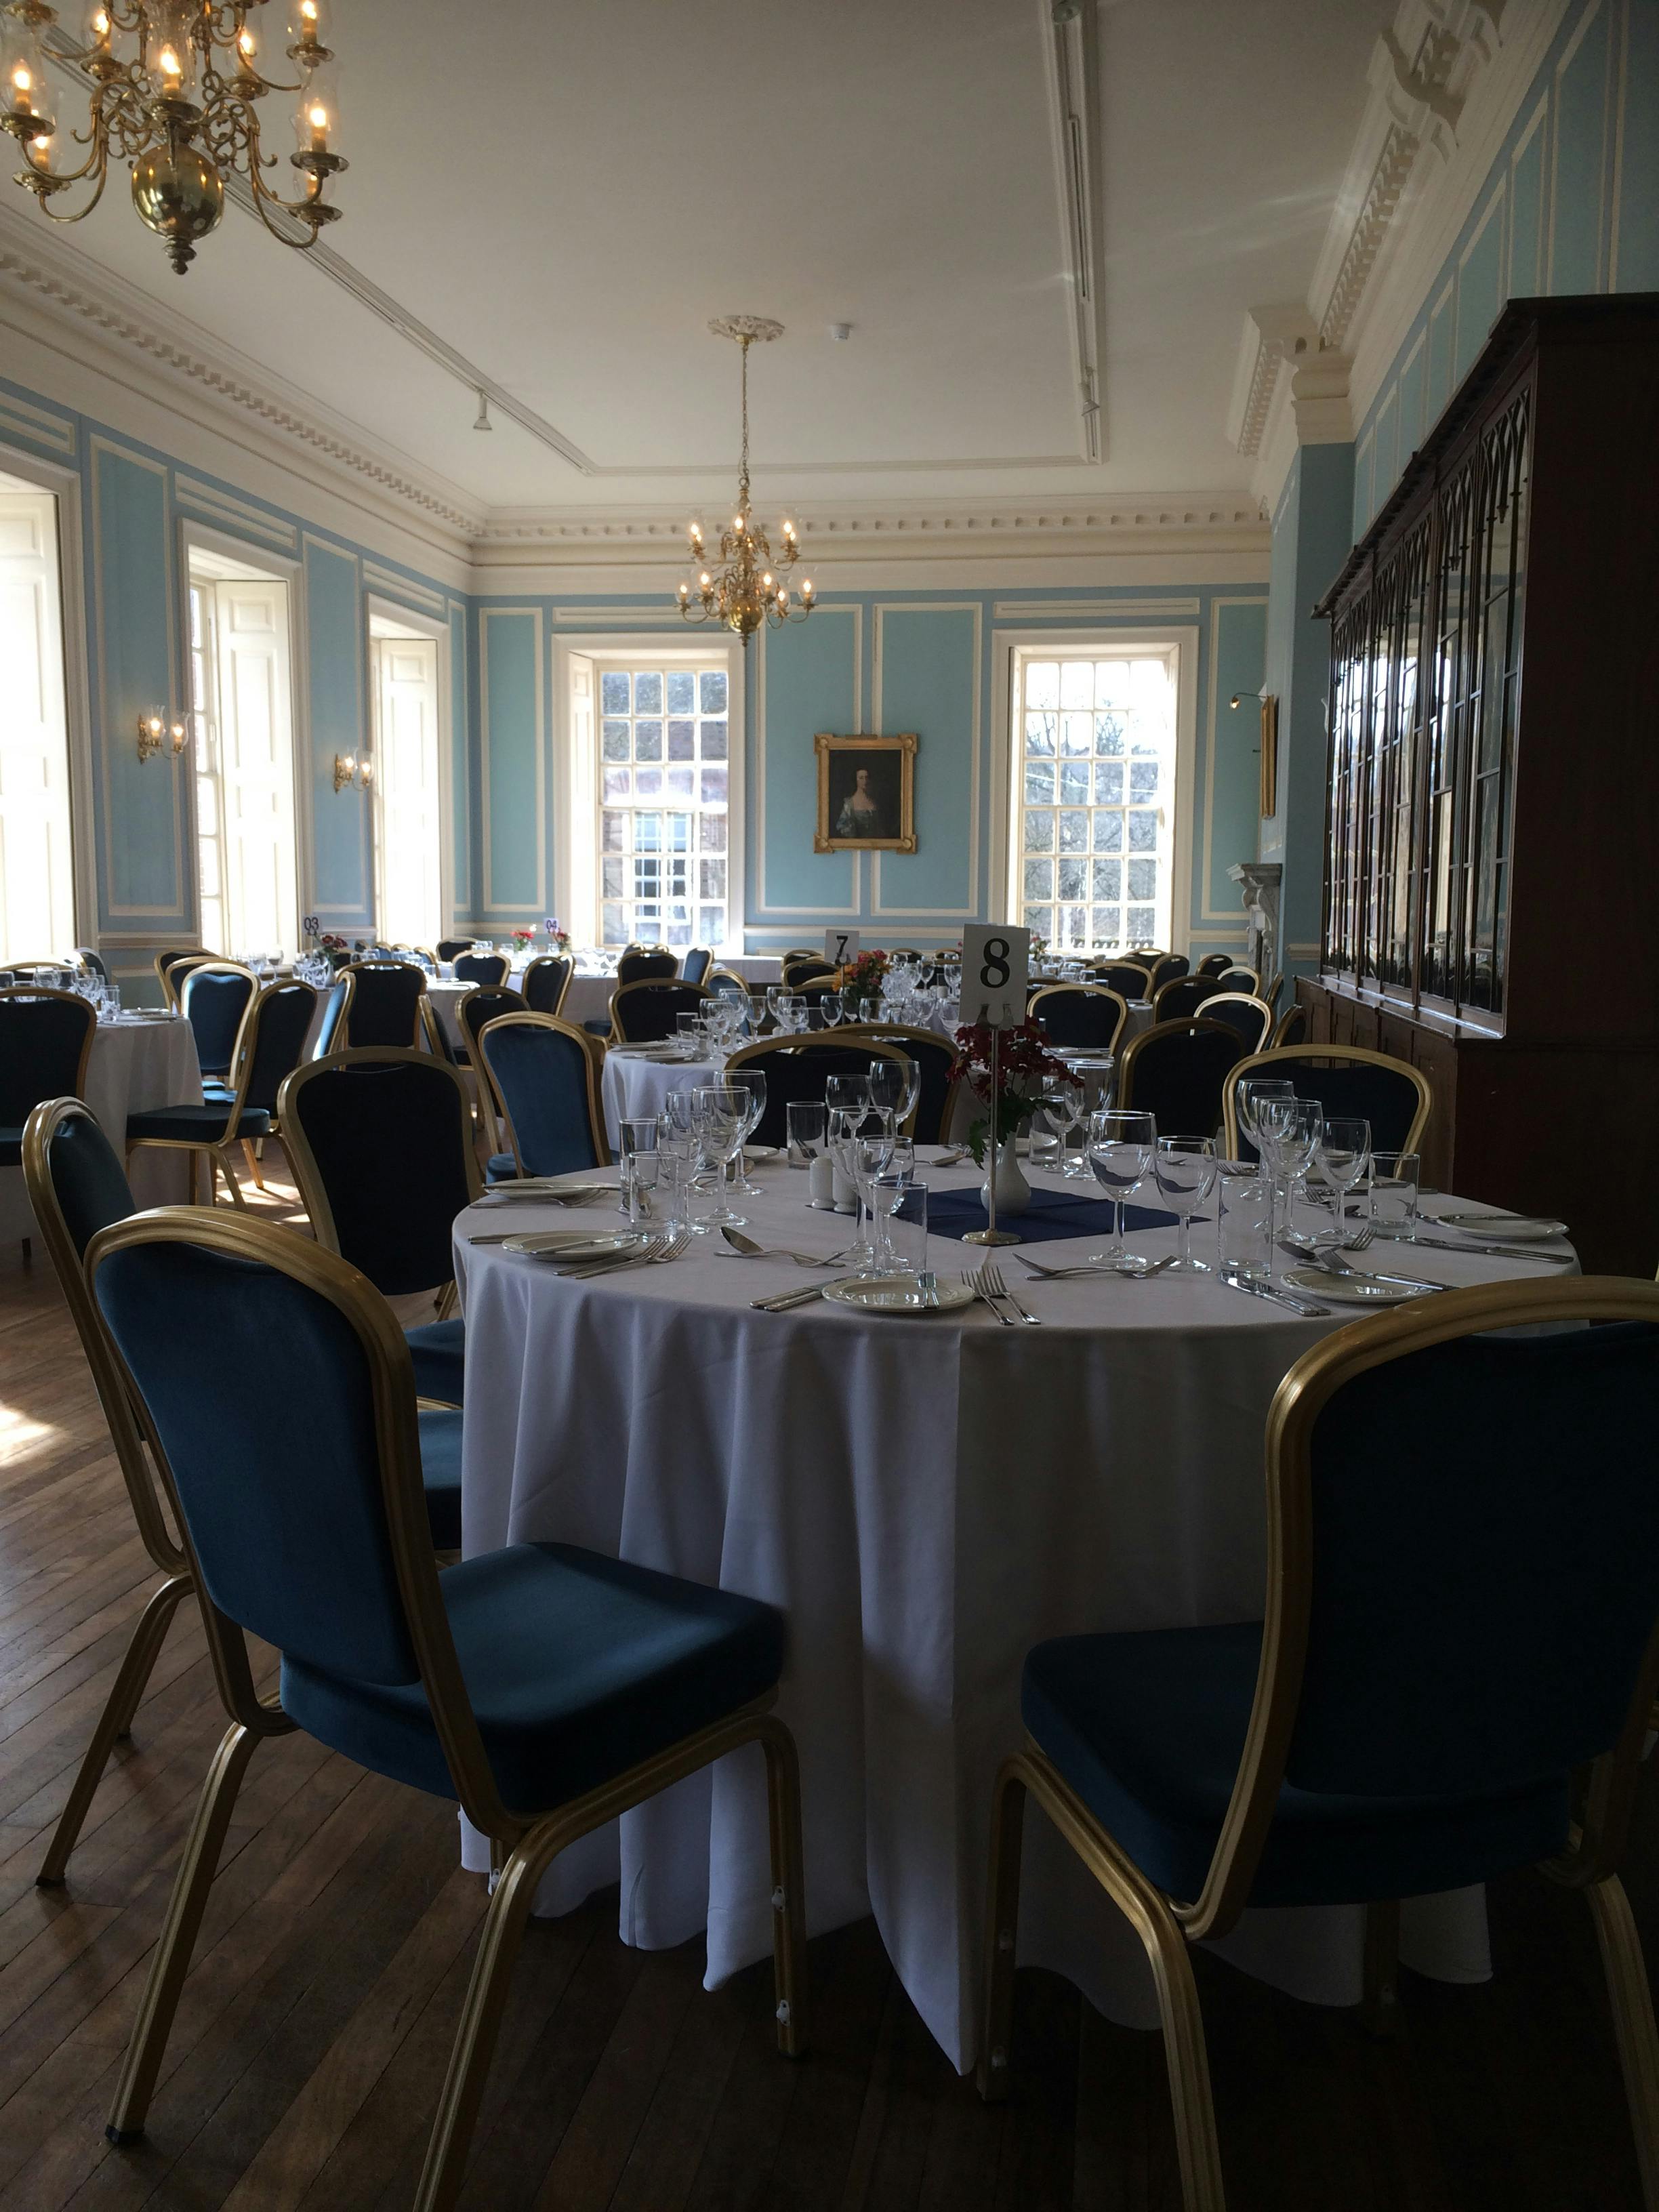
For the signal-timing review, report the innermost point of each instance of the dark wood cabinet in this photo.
(1492, 838)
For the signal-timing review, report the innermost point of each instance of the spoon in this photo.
(746, 1249)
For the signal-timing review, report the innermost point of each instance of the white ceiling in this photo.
(565, 190)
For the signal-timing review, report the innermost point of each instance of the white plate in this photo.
(1349, 1290)
(897, 1294)
(1498, 1228)
(579, 1244)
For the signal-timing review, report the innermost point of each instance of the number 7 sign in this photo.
(995, 963)
(841, 946)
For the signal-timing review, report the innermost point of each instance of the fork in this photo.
(990, 1275)
(1333, 1264)
(985, 1298)
(656, 1249)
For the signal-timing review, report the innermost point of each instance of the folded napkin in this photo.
(1050, 1214)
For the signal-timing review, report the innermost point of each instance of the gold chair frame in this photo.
(1294, 1013)
(551, 960)
(650, 983)
(1095, 991)
(1270, 990)
(898, 1034)
(882, 1046)
(215, 1155)
(491, 1112)
(1285, 1056)
(353, 968)
(1193, 976)
(578, 1035)
(1168, 1926)
(168, 958)
(144, 1491)
(1137, 1045)
(1243, 968)
(523, 1844)
(1242, 999)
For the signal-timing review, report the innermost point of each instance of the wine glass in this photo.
(1122, 1149)
(1287, 1132)
(751, 1081)
(1064, 1106)
(1253, 1088)
(864, 1160)
(888, 1185)
(720, 1116)
(1344, 1155)
(889, 1081)
(1185, 1168)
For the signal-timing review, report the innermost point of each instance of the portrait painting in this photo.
(866, 794)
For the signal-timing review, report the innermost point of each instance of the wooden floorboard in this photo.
(313, 2032)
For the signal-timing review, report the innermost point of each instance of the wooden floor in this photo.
(330, 1974)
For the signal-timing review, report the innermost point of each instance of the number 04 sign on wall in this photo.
(995, 963)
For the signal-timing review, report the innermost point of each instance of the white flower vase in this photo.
(1013, 1193)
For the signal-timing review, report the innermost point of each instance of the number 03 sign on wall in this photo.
(995, 963)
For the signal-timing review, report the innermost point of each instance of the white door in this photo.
(37, 897)
(407, 830)
(256, 766)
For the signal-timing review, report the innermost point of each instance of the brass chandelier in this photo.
(174, 89)
(749, 588)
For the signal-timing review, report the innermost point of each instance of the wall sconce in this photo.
(154, 731)
(353, 771)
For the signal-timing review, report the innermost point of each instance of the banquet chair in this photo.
(543, 1077)
(1291, 1027)
(382, 1007)
(1087, 1016)
(1251, 1017)
(486, 1002)
(694, 968)
(380, 1144)
(272, 1045)
(726, 983)
(213, 997)
(936, 1061)
(547, 979)
(176, 957)
(1126, 977)
(545, 1688)
(797, 953)
(1238, 978)
(798, 1069)
(1182, 997)
(1214, 964)
(1423, 1707)
(1390, 1094)
(646, 1010)
(1271, 989)
(646, 963)
(46, 1043)
(94, 963)
(76, 1186)
(812, 970)
(1176, 1070)
(449, 947)
(492, 969)
(1164, 969)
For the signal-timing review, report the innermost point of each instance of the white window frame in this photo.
(1010, 651)
(65, 487)
(429, 626)
(575, 894)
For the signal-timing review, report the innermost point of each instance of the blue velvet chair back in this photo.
(694, 968)
(1213, 963)
(1236, 979)
(1248, 1015)
(1166, 969)
(543, 1077)
(1175, 1071)
(88, 1179)
(450, 948)
(333, 1014)
(283, 1016)
(489, 968)
(171, 969)
(797, 1070)
(1182, 997)
(649, 1013)
(545, 982)
(1124, 977)
(385, 997)
(643, 967)
(724, 984)
(1385, 1097)
(213, 999)
(936, 1063)
(487, 1003)
(93, 961)
(44, 1038)
(388, 1142)
(1485, 1564)
(1087, 1018)
(274, 1461)
(812, 970)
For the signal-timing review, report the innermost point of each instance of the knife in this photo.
(781, 1301)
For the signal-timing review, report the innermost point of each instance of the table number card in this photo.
(996, 960)
(312, 926)
(841, 946)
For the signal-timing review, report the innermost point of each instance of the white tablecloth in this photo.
(631, 1088)
(924, 1499)
(133, 1066)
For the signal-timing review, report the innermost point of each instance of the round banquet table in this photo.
(134, 1066)
(633, 1088)
(925, 1499)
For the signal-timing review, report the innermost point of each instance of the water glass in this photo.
(1122, 1149)
(902, 1208)
(1344, 1158)
(689, 1035)
(804, 1120)
(1186, 1170)
(1244, 1213)
(1395, 1181)
(634, 1140)
(642, 1184)
(719, 1114)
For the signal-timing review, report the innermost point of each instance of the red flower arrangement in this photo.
(1025, 1069)
(523, 937)
(865, 974)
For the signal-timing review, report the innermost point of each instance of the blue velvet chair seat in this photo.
(440, 1477)
(218, 1093)
(11, 1148)
(196, 1125)
(438, 1350)
(502, 1168)
(578, 1667)
(1148, 1730)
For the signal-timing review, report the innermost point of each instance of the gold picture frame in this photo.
(1270, 753)
(879, 772)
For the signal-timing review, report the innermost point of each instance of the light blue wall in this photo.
(882, 664)
(1569, 205)
(132, 499)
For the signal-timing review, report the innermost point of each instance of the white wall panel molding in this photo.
(37, 425)
(765, 914)
(969, 910)
(232, 514)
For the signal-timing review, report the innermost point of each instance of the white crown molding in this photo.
(1271, 336)
(47, 288)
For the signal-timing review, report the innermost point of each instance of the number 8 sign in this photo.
(995, 963)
